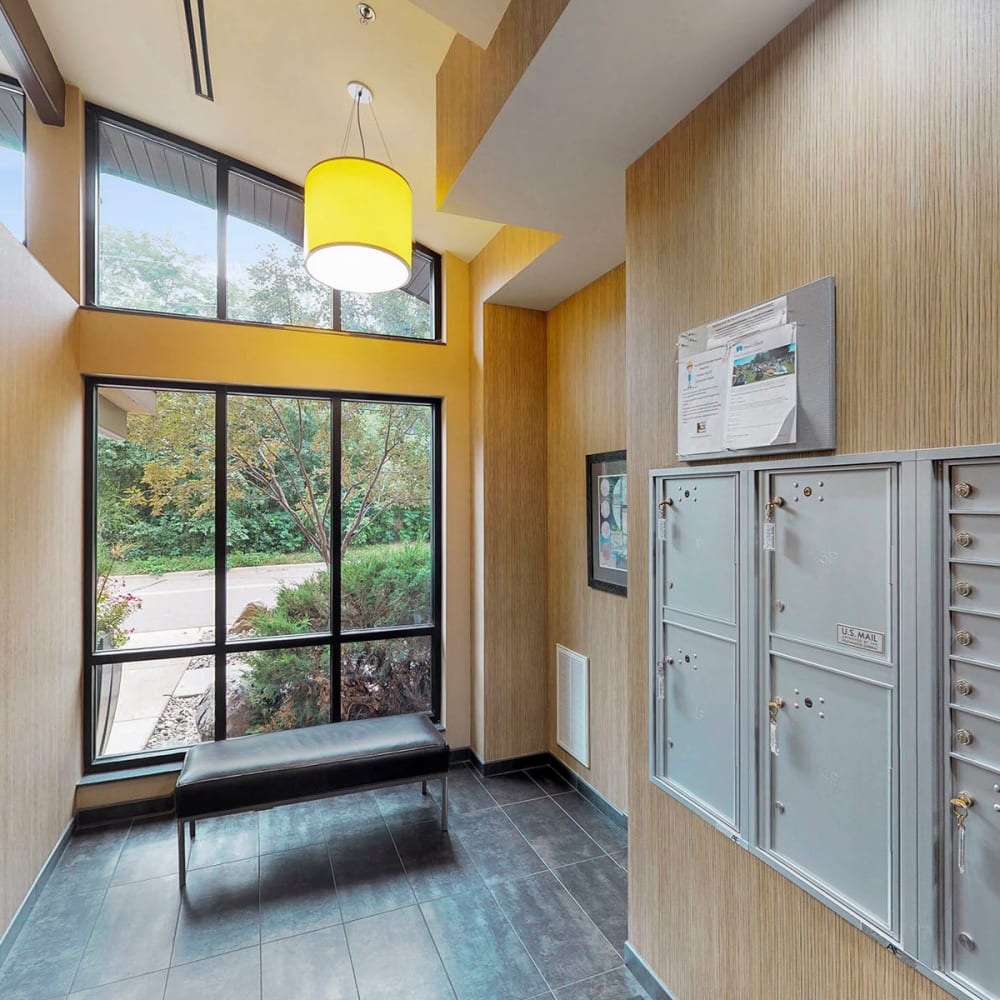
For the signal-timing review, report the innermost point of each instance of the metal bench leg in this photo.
(181, 867)
(423, 787)
(192, 829)
(444, 804)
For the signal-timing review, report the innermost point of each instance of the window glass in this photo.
(146, 705)
(405, 312)
(285, 659)
(279, 516)
(266, 280)
(273, 689)
(386, 514)
(155, 511)
(12, 159)
(157, 232)
(385, 677)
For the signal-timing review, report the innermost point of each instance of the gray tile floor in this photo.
(353, 898)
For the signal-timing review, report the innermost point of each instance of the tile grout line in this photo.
(100, 909)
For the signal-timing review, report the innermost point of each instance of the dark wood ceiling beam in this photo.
(24, 47)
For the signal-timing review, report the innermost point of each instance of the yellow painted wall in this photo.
(41, 517)
(586, 414)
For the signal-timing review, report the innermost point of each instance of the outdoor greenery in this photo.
(290, 688)
(156, 503)
(140, 270)
(156, 491)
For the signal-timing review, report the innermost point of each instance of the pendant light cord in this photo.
(385, 145)
(356, 117)
(364, 154)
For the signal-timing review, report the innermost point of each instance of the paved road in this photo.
(184, 603)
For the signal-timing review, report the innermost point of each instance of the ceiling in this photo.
(280, 73)
(606, 84)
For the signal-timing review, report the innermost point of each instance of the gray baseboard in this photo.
(647, 979)
(24, 910)
(492, 768)
(568, 775)
(591, 794)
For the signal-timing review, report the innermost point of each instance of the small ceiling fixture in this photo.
(359, 215)
(367, 13)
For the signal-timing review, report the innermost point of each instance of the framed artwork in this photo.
(607, 522)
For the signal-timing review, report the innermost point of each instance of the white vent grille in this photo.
(573, 697)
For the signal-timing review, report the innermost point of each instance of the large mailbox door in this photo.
(971, 586)
(829, 698)
(696, 685)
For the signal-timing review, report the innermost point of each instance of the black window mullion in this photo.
(336, 315)
(222, 219)
(89, 569)
(221, 538)
(437, 574)
(336, 452)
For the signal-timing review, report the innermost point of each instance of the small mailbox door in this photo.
(696, 687)
(971, 691)
(829, 705)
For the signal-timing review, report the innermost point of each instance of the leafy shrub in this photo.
(382, 585)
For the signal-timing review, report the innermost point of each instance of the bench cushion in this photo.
(268, 768)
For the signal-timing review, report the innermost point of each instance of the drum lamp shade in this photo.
(358, 225)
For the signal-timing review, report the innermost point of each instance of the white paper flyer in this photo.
(701, 397)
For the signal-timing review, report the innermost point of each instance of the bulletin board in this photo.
(761, 381)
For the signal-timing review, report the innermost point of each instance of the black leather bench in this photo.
(271, 769)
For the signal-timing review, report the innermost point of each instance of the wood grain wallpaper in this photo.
(474, 83)
(41, 517)
(586, 414)
(863, 142)
(514, 535)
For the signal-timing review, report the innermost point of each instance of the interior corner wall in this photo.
(54, 193)
(509, 620)
(863, 143)
(41, 516)
(586, 414)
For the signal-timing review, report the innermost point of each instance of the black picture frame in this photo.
(607, 522)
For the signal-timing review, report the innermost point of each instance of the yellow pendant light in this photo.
(358, 219)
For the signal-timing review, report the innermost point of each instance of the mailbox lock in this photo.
(963, 490)
(967, 941)
(963, 687)
(963, 539)
(963, 637)
(964, 588)
(963, 737)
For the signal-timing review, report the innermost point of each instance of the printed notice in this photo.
(766, 316)
(762, 390)
(861, 638)
(701, 397)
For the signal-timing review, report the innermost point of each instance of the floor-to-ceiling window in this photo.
(257, 560)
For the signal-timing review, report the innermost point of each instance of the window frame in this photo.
(10, 83)
(224, 165)
(221, 645)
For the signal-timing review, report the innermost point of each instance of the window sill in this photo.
(130, 773)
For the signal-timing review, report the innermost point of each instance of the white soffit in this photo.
(476, 19)
(607, 83)
(280, 74)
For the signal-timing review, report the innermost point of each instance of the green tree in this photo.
(277, 289)
(139, 270)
